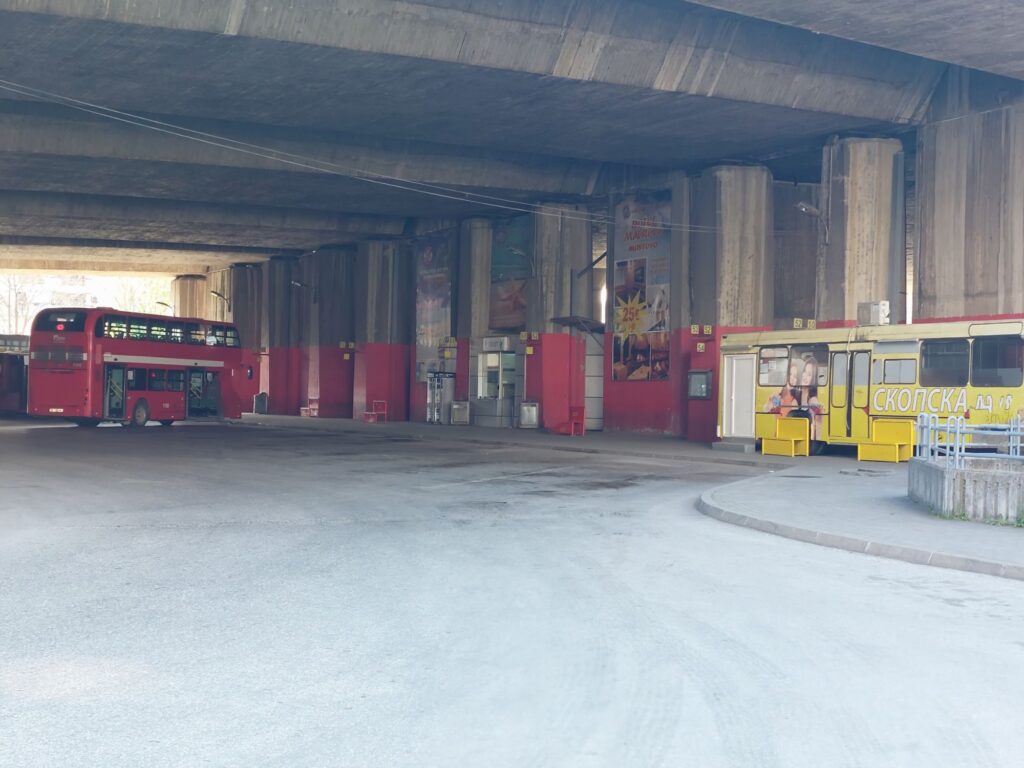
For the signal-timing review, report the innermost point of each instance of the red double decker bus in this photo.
(94, 365)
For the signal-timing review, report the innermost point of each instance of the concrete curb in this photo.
(707, 506)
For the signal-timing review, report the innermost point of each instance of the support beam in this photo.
(561, 249)
(863, 254)
(474, 285)
(796, 251)
(666, 47)
(88, 217)
(384, 308)
(731, 262)
(191, 296)
(48, 254)
(970, 188)
(35, 138)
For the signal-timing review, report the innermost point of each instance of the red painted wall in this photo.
(337, 379)
(280, 379)
(462, 370)
(417, 398)
(382, 373)
(555, 378)
(648, 406)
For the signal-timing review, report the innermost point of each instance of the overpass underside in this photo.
(375, 191)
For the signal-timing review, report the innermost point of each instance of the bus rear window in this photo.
(61, 322)
(998, 361)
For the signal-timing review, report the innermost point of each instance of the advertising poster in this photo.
(433, 301)
(641, 252)
(511, 267)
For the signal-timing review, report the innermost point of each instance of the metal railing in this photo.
(953, 439)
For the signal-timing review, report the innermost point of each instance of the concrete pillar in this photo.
(731, 259)
(561, 249)
(472, 316)
(219, 309)
(862, 257)
(190, 296)
(796, 236)
(323, 290)
(680, 306)
(246, 283)
(279, 371)
(384, 311)
(970, 191)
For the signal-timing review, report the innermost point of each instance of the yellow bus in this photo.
(841, 379)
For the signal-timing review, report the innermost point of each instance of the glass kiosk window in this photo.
(497, 375)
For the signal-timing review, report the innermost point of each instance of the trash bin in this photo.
(260, 402)
(529, 415)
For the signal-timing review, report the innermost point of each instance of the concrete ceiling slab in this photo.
(983, 34)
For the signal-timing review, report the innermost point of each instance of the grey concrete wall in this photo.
(731, 247)
(796, 251)
(384, 292)
(863, 255)
(190, 295)
(472, 315)
(562, 247)
(986, 490)
(970, 190)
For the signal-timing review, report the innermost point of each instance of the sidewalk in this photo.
(864, 508)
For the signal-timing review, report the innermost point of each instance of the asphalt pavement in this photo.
(255, 596)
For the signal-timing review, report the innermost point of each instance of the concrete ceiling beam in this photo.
(92, 217)
(27, 130)
(653, 46)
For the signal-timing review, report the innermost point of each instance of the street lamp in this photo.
(810, 210)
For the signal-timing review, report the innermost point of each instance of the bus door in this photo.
(113, 392)
(849, 395)
(203, 393)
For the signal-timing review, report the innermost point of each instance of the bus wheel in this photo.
(140, 414)
(166, 422)
(87, 422)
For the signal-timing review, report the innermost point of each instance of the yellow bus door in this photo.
(860, 382)
(849, 395)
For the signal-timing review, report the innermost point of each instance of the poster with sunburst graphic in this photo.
(641, 280)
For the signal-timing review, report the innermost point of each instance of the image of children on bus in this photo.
(798, 395)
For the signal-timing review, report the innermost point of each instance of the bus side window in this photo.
(175, 381)
(232, 336)
(774, 366)
(194, 334)
(157, 380)
(894, 371)
(137, 379)
(944, 362)
(138, 328)
(115, 327)
(176, 333)
(998, 361)
(157, 330)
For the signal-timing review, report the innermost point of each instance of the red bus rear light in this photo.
(60, 326)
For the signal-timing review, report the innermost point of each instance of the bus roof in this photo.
(869, 333)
